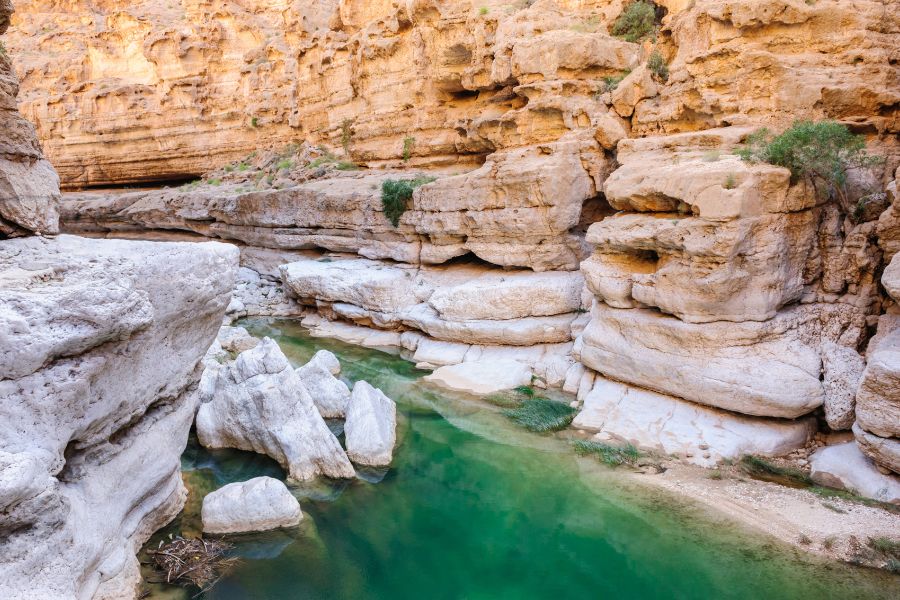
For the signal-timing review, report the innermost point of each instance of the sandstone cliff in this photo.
(148, 90)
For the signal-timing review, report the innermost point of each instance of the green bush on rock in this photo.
(637, 22)
(822, 153)
(396, 194)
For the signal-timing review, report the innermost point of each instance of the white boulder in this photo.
(371, 426)
(845, 467)
(482, 377)
(329, 393)
(259, 403)
(843, 369)
(701, 435)
(260, 504)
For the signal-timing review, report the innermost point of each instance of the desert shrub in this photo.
(610, 455)
(542, 414)
(657, 65)
(284, 164)
(886, 546)
(254, 122)
(822, 153)
(637, 22)
(611, 82)
(483, 10)
(396, 194)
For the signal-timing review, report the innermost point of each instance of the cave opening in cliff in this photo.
(166, 181)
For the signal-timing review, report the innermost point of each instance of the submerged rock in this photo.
(701, 435)
(259, 403)
(845, 467)
(371, 426)
(260, 504)
(482, 377)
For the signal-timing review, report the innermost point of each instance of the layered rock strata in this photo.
(129, 91)
(723, 283)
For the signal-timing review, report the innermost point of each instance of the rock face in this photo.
(435, 82)
(668, 425)
(108, 335)
(259, 403)
(877, 425)
(260, 504)
(29, 187)
(371, 426)
(845, 467)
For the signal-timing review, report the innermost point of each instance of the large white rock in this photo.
(878, 397)
(329, 393)
(703, 436)
(482, 377)
(259, 504)
(510, 295)
(845, 467)
(371, 426)
(101, 342)
(753, 368)
(259, 403)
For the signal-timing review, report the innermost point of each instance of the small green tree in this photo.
(396, 194)
(637, 22)
(822, 153)
(409, 143)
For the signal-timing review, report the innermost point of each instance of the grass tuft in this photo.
(541, 414)
(759, 468)
(610, 455)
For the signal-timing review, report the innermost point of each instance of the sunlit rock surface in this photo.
(844, 467)
(371, 426)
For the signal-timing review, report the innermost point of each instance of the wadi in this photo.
(396, 299)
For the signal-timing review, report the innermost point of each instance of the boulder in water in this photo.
(371, 426)
(260, 504)
(258, 403)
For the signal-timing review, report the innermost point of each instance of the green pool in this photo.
(473, 508)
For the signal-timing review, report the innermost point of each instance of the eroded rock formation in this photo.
(101, 342)
(587, 216)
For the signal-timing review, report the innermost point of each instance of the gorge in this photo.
(571, 199)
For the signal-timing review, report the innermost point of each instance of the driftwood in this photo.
(196, 562)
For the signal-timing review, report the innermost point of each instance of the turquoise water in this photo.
(473, 508)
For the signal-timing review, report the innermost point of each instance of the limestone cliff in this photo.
(100, 343)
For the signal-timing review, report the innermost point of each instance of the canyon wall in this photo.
(584, 213)
(153, 91)
(100, 343)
